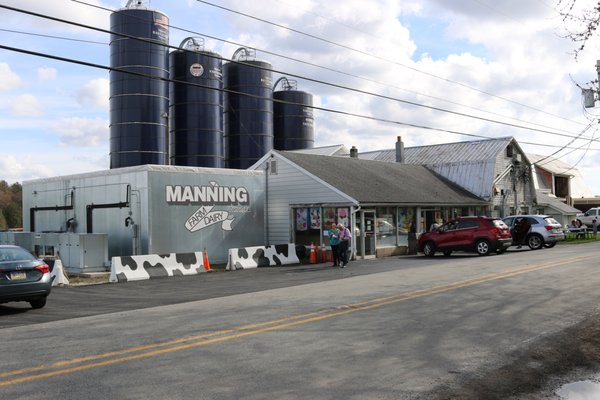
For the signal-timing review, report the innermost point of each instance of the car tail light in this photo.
(549, 227)
(44, 269)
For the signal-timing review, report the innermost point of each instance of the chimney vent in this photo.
(353, 152)
(399, 150)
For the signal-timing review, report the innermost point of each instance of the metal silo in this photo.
(139, 105)
(292, 117)
(196, 111)
(248, 109)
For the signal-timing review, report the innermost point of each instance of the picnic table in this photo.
(573, 232)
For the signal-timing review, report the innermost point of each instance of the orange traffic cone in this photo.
(313, 254)
(323, 253)
(206, 262)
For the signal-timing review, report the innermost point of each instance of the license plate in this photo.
(15, 276)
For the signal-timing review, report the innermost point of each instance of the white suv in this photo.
(545, 231)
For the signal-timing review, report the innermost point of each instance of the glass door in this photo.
(368, 233)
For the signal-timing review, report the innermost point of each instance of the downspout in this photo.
(353, 224)
(266, 212)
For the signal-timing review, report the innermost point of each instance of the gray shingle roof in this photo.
(546, 200)
(383, 182)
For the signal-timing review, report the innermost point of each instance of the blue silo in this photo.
(293, 124)
(248, 109)
(196, 122)
(139, 105)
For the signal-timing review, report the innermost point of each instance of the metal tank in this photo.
(196, 110)
(139, 104)
(293, 125)
(248, 109)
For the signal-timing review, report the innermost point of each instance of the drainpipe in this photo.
(266, 212)
(353, 225)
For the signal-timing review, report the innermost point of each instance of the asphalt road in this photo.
(394, 328)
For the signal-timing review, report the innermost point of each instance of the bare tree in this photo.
(580, 25)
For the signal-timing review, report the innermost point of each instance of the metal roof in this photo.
(333, 150)
(447, 153)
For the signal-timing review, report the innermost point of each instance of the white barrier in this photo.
(135, 268)
(59, 274)
(262, 256)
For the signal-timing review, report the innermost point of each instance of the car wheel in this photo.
(429, 249)
(550, 245)
(482, 247)
(447, 253)
(38, 303)
(535, 242)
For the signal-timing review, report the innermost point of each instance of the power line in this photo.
(368, 117)
(379, 58)
(347, 74)
(51, 36)
(317, 108)
(293, 75)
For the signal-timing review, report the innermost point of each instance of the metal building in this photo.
(293, 125)
(139, 103)
(151, 209)
(248, 109)
(196, 111)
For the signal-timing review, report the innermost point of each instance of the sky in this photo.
(430, 71)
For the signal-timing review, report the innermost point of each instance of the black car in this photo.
(23, 277)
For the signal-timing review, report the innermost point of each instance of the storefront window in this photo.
(385, 226)
(312, 223)
(305, 221)
(406, 223)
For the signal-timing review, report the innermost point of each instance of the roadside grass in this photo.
(575, 240)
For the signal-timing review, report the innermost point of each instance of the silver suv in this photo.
(545, 231)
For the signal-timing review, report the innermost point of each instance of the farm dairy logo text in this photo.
(208, 197)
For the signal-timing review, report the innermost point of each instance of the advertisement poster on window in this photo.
(301, 219)
(315, 218)
(343, 216)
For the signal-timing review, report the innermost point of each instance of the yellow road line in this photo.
(156, 349)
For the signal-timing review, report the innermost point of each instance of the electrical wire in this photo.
(368, 117)
(297, 76)
(317, 108)
(379, 58)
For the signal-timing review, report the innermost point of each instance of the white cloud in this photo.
(82, 132)
(95, 94)
(23, 168)
(26, 105)
(63, 9)
(46, 73)
(10, 79)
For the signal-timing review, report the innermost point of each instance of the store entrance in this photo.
(365, 234)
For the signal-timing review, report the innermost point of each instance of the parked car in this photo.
(545, 231)
(23, 277)
(481, 235)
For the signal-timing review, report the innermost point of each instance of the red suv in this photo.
(481, 235)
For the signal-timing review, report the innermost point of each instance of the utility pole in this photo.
(589, 95)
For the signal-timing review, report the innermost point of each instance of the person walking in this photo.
(516, 232)
(344, 237)
(334, 242)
